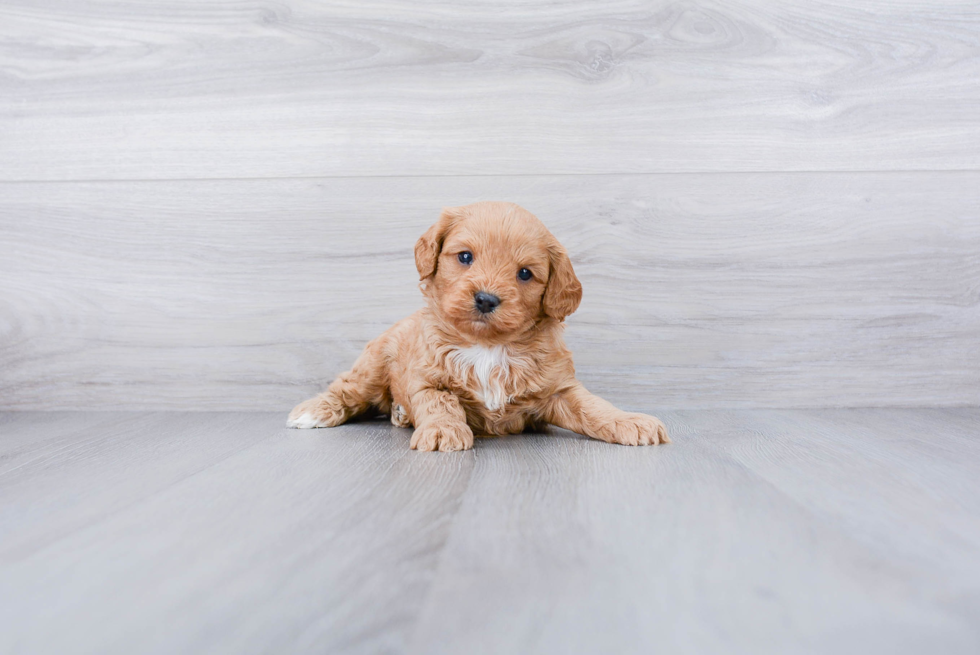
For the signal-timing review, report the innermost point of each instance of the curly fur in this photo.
(451, 371)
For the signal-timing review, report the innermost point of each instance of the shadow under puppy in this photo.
(486, 354)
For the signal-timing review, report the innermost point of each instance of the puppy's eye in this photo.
(525, 274)
(465, 257)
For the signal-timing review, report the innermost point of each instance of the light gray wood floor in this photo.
(756, 531)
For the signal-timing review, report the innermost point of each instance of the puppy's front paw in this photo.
(316, 413)
(634, 430)
(444, 437)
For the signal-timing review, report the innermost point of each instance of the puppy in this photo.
(486, 355)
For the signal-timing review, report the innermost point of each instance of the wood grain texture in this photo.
(232, 535)
(745, 538)
(204, 89)
(756, 531)
(700, 290)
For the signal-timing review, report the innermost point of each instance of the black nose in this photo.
(485, 302)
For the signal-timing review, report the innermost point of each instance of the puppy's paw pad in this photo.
(315, 414)
(636, 430)
(442, 437)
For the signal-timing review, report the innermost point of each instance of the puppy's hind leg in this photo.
(352, 393)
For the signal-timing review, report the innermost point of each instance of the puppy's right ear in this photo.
(429, 245)
(564, 292)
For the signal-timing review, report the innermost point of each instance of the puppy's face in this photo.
(492, 271)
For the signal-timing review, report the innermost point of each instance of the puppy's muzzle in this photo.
(485, 302)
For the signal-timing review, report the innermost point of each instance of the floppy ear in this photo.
(429, 245)
(564, 291)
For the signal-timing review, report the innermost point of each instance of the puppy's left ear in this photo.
(429, 245)
(564, 292)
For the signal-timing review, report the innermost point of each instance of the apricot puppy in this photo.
(486, 355)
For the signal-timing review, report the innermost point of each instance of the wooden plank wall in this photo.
(212, 205)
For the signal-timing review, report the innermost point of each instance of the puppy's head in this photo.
(492, 270)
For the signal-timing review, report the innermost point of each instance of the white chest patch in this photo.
(490, 367)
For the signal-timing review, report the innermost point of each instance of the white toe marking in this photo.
(304, 421)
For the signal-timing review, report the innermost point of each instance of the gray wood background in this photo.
(212, 205)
